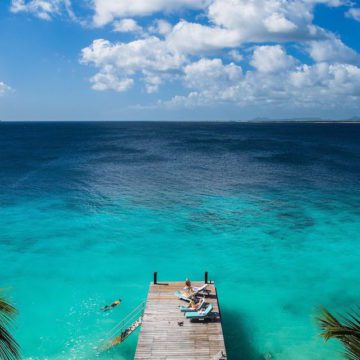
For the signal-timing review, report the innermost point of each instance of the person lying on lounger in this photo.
(195, 305)
(188, 292)
(111, 306)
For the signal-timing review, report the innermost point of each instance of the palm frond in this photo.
(9, 348)
(347, 330)
(7, 311)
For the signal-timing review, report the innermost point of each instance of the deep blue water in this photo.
(89, 210)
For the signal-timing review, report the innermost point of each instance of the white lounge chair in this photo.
(196, 290)
(201, 289)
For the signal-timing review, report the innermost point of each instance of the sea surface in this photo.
(88, 211)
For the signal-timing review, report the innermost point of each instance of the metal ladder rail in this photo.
(124, 328)
(119, 326)
(118, 339)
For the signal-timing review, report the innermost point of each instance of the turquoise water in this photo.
(89, 211)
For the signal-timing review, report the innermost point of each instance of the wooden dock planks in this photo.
(162, 338)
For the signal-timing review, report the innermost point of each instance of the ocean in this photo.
(89, 210)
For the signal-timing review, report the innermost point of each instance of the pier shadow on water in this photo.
(238, 338)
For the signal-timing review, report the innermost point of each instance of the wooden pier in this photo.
(167, 334)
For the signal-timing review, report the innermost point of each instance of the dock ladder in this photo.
(124, 328)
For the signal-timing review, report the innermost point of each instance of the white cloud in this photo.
(265, 20)
(43, 9)
(194, 38)
(152, 82)
(108, 79)
(354, 13)
(338, 83)
(127, 26)
(207, 73)
(235, 55)
(150, 54)
(108, 10)
(332, 3)
(194, 53)
(271, 59)
(277, 23)
(233, 23)
(149, 58)
(161, 27)
(260, 20)
(4, 88)
(332, 50)
(306, 86)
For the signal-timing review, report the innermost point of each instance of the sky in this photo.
(179, 59)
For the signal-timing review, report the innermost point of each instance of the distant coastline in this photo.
(353, 120)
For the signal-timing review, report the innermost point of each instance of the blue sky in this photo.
(179, 59)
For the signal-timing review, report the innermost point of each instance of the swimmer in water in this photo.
(111, 306)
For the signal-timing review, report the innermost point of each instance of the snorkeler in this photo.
(111, 306)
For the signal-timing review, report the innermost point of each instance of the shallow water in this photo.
(90, 210)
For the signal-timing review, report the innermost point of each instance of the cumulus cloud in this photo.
(338, 83)
(161, 27)
(270, 19)
(149, 58)
(108, 10)
(150, 53)
(43, 9)
(195, 38)
(332, 3)
(332, 50)
(108, 79)
(270, 59)
(277, 23)
(265, 20)
(233, 23)
(315, 85)
(4, 88)
(354, 13)
(204, 55)
(235, 55)
(207, 73)
(127, 26)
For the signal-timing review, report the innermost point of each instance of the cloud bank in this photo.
(231, 51)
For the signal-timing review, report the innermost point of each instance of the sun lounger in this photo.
(187, 309)
(200, 314)
(200, 289)
(183, 296)
(197, 290)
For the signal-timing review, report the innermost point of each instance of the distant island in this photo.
(354, 119)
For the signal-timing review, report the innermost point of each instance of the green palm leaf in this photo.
(9, 348)
(346, 329)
